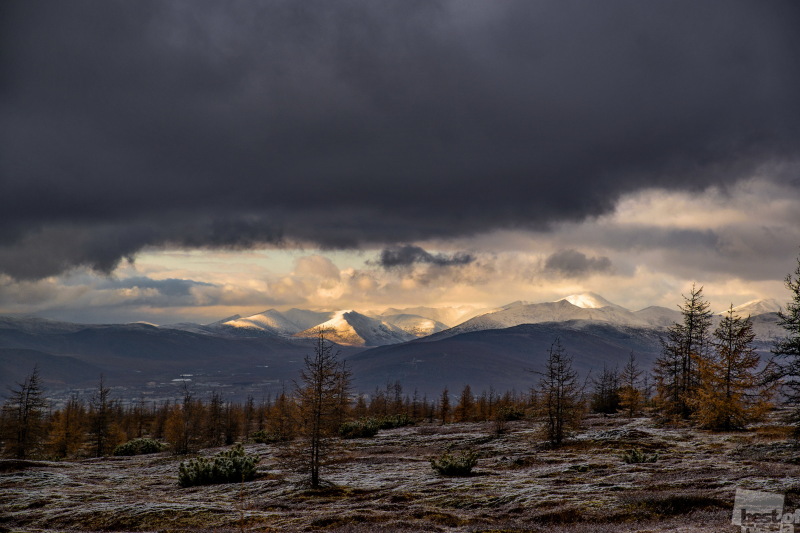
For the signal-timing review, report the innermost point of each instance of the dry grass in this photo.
(386, 483)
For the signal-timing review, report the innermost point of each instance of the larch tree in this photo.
(23, 417)
(630, 397)
(183, 424)
(466, 405)
(686, 344)
(787, 349)
(281, 422)
(605, 395)
(732, 392)
(100, 419)
(248, 416)
(444, 406)
(214, 420)
(68, 429)
(560, 396)
(321, 395)
(233, 423)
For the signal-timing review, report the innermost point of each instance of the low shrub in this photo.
(394, 421)
(455, 464)
(268, 437)
(659, 504)
(363, 428)
(229, 466)
(139, 447)
(638, 456)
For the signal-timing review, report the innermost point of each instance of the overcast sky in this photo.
(187, 160)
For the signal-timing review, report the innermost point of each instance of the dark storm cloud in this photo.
(407, 255)
(574, 263)
(234, 124)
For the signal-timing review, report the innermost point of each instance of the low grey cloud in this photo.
(344, 124)
(408, 255)
(167, 287)
(574, 263)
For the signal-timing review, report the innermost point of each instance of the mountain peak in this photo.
(352, 328)
(269, 321)
(756, 307)
(588, 300)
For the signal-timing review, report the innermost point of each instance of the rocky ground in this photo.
(386, 483)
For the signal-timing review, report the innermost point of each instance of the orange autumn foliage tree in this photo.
(731, 392)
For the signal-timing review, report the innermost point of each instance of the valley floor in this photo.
(386, 483)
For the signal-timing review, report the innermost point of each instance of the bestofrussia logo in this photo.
(760, 512)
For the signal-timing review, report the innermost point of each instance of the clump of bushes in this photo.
(369, 427)
(638, 456)
(455, 464)
(362, 428)
(139, 447)
(229, 466)
(269, 437)
(659, 504)
(394, 421)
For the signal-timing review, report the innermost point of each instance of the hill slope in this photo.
(502, 358)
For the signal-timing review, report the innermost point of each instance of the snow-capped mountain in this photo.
(270, 321)
(756, 307)
(354, 329)
(589, 300)
(586, 307)
(419, 326)
(399, 325)
(449, 316)
(294, 321)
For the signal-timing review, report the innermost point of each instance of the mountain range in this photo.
(262, 353)
(346, 327)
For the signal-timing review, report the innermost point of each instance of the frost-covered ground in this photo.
(386, 483)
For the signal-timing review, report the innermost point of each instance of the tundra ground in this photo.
(386, 483)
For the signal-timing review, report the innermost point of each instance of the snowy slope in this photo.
(270, 321)
(419, 326)
(756, 307)
(659, 317)
(589, 300)
(450, 316)
(592, 308)
(305, 319)
(354, 329)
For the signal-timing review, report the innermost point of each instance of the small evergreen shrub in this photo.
(139, 447)
(363, 428)
(394, 421)
(636, 455)
(268, 437)
(230, 466)
(455, 464)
